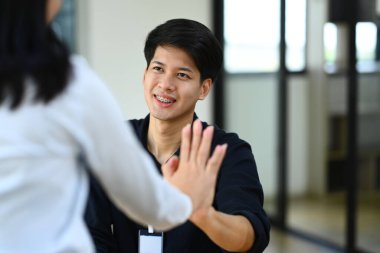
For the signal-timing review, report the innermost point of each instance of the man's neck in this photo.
(164, 137)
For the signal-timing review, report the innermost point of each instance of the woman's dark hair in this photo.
(193, 37)
(30, 49)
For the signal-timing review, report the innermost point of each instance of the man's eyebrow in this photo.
(186, 69)
(158, 62)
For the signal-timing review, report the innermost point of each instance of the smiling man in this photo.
(183, 60)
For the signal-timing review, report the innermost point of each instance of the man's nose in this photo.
(166, 82)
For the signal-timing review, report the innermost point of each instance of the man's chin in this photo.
(162, 117)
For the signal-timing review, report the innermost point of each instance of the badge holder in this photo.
(150, 241)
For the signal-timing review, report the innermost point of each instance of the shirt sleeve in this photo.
(239, 190)
(121, 165)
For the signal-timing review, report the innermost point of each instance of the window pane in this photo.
(295, 34)
(330, 41)
(366, 33)
(252, 35)
(335, 44)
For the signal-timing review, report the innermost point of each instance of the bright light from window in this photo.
(366, 39)
(330, 41)
(252, 35)
(295, 34)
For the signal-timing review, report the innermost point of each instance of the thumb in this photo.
(170, 167)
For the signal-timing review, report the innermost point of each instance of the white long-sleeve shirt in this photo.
(43, 186)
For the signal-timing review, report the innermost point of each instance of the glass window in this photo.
(366, 42)
(366, 39)
(252, 35)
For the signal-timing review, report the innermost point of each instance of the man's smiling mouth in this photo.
(164, 100)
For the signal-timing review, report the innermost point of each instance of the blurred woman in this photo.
(56, 116)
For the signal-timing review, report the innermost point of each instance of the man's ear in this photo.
(205, 88)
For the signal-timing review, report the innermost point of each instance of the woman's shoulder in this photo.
(78, 59)
(79, 64)
(83, 75)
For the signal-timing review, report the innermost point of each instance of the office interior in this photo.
(291, 87)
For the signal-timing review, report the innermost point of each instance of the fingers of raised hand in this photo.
(185, 143)
(196, 145)
(215, 161)
(196, 139)
(204, 148)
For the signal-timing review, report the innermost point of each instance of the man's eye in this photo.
(157, 68)
(183, 76)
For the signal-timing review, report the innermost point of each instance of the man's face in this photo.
(172, 84)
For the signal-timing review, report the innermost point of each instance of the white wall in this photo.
(111, 36)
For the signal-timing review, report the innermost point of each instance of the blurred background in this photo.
(292, 86)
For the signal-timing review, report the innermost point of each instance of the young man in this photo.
(183, 59)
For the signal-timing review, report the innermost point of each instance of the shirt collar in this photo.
(143, 130)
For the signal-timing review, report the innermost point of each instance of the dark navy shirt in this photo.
(238, 191)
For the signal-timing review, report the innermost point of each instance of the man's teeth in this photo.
(164, 100)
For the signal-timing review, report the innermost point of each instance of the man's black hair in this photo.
(193, 37)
